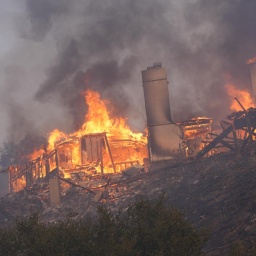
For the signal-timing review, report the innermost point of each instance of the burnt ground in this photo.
(217, 193)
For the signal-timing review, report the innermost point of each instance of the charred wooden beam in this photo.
(222, 125)
(215, 141)
(110, 154)
(76, 185)
(240, 104)
(227, 145)
(245, 143)
(225, 124)
(101, 159)
(235, 142)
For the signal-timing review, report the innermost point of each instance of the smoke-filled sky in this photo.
(52, 50)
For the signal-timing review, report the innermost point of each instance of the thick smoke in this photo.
(75, 45)
(42, 14)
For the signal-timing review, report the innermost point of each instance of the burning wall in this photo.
(98, 153)
(103, 144)
(196, 134)
(98, 137)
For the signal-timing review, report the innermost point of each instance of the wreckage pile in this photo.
(217, 193)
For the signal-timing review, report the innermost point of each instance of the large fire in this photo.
(242, 95)
(98, 121)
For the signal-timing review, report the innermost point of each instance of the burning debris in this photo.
(102, 145)
(238, 132)
(107, 145)
(196, 134)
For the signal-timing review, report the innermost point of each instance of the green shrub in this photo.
(158, 230)
(146, 228)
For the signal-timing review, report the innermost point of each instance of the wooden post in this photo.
(110, 154)
(54, 187)
(236, 142)
(57, 161)
(47, 164)
(10, 180)
(27, 176)
(101, 158)
(215, 141)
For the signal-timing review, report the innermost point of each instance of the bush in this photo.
(243, 247)
(158, 230)
(146, 228)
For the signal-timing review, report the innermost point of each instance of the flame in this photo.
(37, 153)
(98, 120)
(19, 184)
(54, 136)
(250, 61)
(243, 96)
(195, 134)
(197, 126)
(191, 134)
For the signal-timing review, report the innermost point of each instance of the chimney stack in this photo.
(252, 67)
(164, 135)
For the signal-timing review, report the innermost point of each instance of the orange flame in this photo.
(54, 136)
(36, 154)
(243, 96)
(250, 61)
(97, 120)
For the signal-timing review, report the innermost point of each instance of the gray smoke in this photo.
(65, 47)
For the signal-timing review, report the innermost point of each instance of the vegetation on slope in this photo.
(145, 228)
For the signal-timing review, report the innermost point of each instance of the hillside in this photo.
(217, 193)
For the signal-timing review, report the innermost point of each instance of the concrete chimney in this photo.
(252, 67)
(164, 135)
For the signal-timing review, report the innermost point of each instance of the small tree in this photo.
(156, 229)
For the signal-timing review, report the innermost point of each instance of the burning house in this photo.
(107, 145)
(102, 145)
(97, 153)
